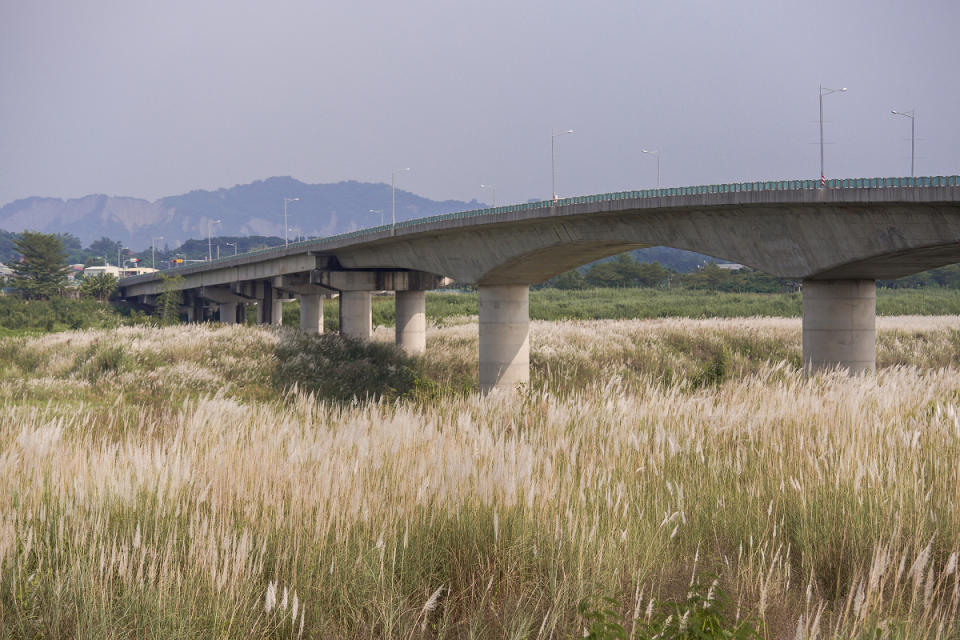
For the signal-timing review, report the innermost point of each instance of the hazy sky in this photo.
(151, 98)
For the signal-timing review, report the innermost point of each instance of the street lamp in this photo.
(553, 158)
(380, 211)
(654, 152)
(286, 242)
(493, 189)
(153, 251)
(210, 238)
(824, 92)
(232, 244)
(393, 197)
(913, 133)
(120, 264)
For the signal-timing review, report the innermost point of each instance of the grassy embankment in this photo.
(152, 484)
(19, 317)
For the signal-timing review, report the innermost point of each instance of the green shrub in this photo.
(103, 359)
(339, 368)
(703, 614)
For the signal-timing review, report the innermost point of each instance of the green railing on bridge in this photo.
(666, 192)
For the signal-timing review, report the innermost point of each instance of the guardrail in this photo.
(665, 192)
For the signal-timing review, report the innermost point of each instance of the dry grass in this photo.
(827, 507)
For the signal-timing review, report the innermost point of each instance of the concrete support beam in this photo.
(311, 313)
(228, 312)
(839, 325)
(241, 313)
(504, 336)
(411, 321)
(382, 280)
(356, 314)
(189, 312)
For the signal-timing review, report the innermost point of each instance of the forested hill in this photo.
(243, 210)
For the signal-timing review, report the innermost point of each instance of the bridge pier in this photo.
(311, 313)
(270, 312)
(411, 321)
(228, 312)
(198, 309)
(356, 314)
(504, 336)
(839, 325)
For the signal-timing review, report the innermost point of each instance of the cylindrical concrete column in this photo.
(311, 313)
(839, 325)
(411, 321)
(504, 336)
(276, 317)
(356, 315)
(241, 313)
(189, 313)
(228, 312)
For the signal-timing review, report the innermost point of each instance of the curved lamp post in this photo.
(210, 224)
(493, 189)
(286, 240)
(913, 133)
(393, 197)
(824, 92)
(553, 157)
(654, 152)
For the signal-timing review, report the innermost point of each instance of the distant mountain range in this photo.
(248, 209)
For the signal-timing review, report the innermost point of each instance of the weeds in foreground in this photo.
(704, 614)
(173, 494)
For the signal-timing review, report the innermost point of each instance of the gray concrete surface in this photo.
(356, 314)
(311, 313)
(504, 350)
(839, 325)
(228, 312)
(815, 233)
(411, 321)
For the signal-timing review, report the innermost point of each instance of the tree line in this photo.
(624, 271)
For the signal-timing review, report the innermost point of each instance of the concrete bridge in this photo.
(838, 240)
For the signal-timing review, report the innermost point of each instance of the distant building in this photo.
(95, 271)
(730, 266)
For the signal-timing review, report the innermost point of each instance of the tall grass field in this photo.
(207, 481)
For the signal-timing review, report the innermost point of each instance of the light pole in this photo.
(553, 158)
(234, 245)
(393, 197)
(286, 242)
(210, 238)
(153, 251)
(120, 264)
(824, 92)
(913, 133)
(493, 189)
(380, 211)
(654, 152)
